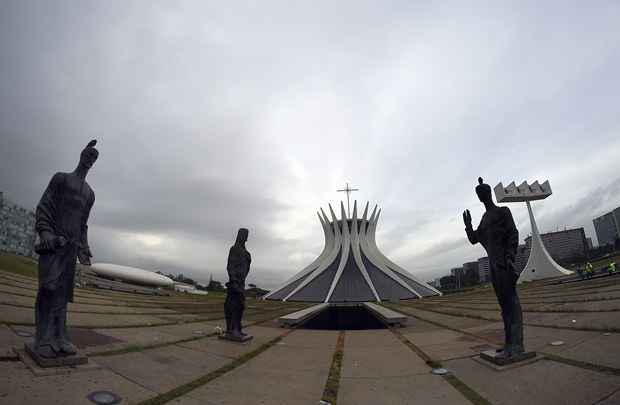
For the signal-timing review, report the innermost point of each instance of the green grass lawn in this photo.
(23, 266)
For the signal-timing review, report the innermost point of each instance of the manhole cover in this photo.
(23, 333)
(439, 371)
(104, 398)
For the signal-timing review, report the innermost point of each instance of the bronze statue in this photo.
(499, 236)
(238, 267)
(61, 224)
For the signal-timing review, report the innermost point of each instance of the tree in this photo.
(215, 285)
(448, 282)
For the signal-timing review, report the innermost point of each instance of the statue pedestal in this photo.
(235, 338)
(499, 360)
(62, 361)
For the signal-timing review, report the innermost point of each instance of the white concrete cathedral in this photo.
(351, 267)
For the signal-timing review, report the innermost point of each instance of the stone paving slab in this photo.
(433, 337)
(259, 382)
(9, 299)
(183, 331)
(611, 305)
(9, 340)
(370, 339)
(163, 369)
(540, 339)
(20, 315)
(464, 346)
(99, 320)
(187, 401)
(139, 336)
(19, 386)
(424, 389)
(597, 320)
(232, 350)
(388, 357)
(28, 302)
(305, 338)
(600, 349)
(250, 386)
(452, 320)
(418, 325)
(12, 290)
(543, 382)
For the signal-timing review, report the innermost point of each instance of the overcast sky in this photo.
(215, 115)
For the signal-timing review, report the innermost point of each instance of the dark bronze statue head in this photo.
(89, 155)
(484, 191)
(242, 236)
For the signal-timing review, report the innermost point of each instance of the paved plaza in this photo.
(155, 350)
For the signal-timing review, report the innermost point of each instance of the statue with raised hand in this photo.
(499, 236)
(61, 224)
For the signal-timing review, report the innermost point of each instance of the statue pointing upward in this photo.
(498, 234)
(61, 224)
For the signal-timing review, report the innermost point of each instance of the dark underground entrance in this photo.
(344, 317)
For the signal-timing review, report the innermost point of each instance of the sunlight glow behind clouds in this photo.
(212, 117)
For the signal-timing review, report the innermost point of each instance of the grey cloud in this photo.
(213, 117)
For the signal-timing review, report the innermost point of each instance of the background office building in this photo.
(565, 247)
(484, 271)
(16, 228)
(607, 227)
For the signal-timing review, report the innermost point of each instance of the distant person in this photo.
(581, 273)
(589, 270)
(611, 269)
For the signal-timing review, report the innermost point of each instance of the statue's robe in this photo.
(238, 267)
(62, 211)
(499, 236)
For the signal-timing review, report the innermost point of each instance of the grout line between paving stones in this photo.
(465, 390)
(140, 348)
(549, 356)
(105, 367)
(152, 325)
(551, 311)
(482, 318)
(80, 311)
(205, 379)
(332, 385)
(606, 397)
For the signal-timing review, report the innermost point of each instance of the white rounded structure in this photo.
(131, 275)
(540, 263)
(351, 267)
